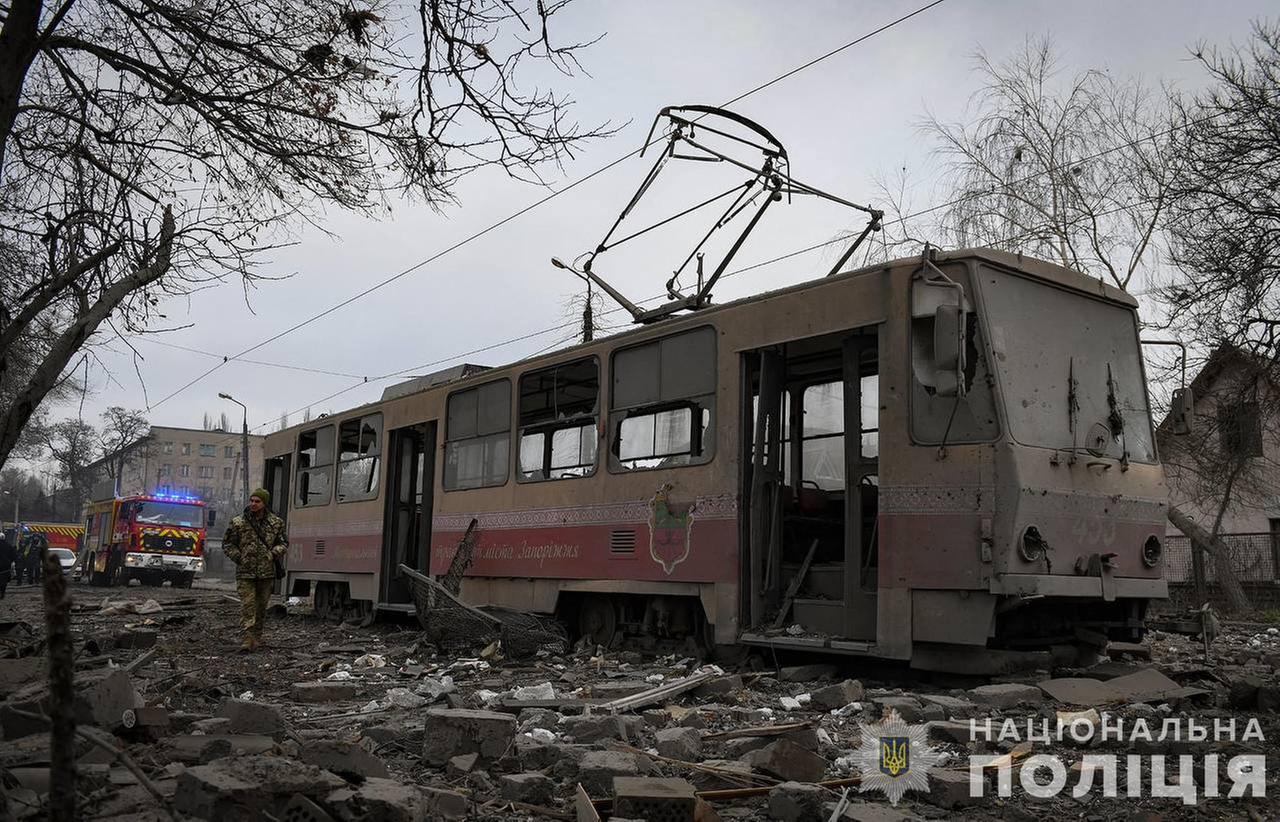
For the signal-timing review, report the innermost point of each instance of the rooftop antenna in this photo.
(768, 182)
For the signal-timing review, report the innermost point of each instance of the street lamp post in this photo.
(244, 444)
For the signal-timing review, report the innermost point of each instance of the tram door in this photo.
(407, 531)
(276, 480)
(812, 484)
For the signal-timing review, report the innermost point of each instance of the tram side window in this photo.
(315, 466)
(935, 418)
(358, 458)
(663, 402)
(558, 421)
(478, 437)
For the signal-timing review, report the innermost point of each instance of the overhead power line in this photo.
(537, 203)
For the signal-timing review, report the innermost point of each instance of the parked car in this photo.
(66, 558)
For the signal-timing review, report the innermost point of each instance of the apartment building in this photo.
(194, 461)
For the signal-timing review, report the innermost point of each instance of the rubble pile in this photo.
(346, 723)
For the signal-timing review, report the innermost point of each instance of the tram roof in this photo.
(1035, 267)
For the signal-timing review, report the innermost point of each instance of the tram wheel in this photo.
(328, 601)
(597, 620)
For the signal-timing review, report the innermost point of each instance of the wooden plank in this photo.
(794, 587)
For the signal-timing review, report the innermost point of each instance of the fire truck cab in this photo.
(149, 537)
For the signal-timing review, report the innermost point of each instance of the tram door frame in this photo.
(409, 503)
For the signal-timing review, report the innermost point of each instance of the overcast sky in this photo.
(845, 122)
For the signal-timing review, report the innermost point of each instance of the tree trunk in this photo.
(1203, 540)
(18, 41)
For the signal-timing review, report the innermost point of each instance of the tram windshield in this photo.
(1070, 368)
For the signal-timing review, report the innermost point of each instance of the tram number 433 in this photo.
(1094, 531)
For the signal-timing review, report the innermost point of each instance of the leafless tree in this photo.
(1225, 221)
(1069, 168)
(72, 445)
(123, 431)
(1226, 464)
(148, 147)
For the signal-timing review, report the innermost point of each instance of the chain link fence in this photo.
(1254, 560)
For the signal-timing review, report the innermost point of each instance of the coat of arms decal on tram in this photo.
(669, 529)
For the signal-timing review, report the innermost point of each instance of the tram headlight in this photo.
(1032, 547)
(1152, 550)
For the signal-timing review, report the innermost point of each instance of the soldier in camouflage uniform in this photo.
(252, 541)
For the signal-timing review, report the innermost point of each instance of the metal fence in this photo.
(1253, 558)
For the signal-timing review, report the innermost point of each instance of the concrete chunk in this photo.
(837, 696)
(387, 800)
(950, 790)
(807, 673)
(953, 707)
(787, 761)
(253, 718)
(684, 744)
(598, 769)
(453, 731)
(597, 727)
(907, 707)
(531, 788)
(797, 802)
(950, 731)
(102, 700)
(1006, 695)
(325, 691)
(241, 788)
(346, 759)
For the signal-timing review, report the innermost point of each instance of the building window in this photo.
(206, 492)
(184, 470)
(359, 442)
(166, 470)
(228, 451)
(663, 402)
(1240, 429)
(478, 436)
(206, 472)
(558, 421)
(315, 466)
(208, 449)
(166, 447)
(186, 449)
(226, 473)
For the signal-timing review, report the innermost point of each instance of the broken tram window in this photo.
(358, 452)
(558, 421)
(663, 401)
(478, 437)
(315, 466)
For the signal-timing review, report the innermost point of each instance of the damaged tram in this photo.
(913, 461)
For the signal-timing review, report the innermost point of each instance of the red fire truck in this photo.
(149, 537)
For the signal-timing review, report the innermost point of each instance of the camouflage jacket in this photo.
(251, 545)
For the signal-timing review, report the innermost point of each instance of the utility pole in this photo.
(244, 445)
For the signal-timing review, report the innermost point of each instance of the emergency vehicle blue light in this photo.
(163, 497)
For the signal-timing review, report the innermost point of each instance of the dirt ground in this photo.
(348, 716)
